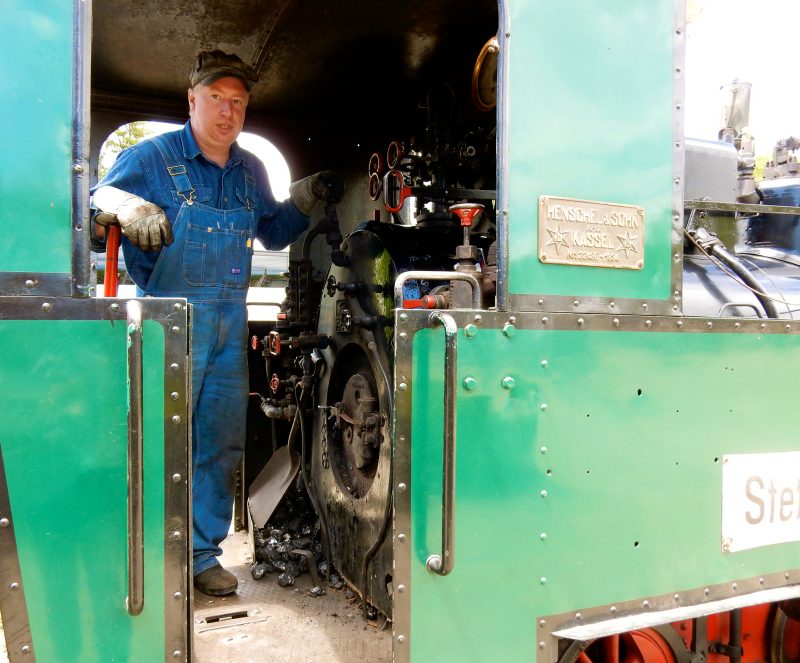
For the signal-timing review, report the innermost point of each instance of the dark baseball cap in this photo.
(211, 65)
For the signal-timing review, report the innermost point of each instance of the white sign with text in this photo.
(760, 500)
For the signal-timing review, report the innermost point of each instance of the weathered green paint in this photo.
(35, 159)
(590, 117)
(63, 434)
(624, 432)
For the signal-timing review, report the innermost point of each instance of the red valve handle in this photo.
(111, 280)
(467, 212)
(398, 187)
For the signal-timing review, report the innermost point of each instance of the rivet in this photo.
(176, 419)
(177, 596)
(177, 306)
(576, 303)
(402, 438)
(541, 645)
(736, 325)
(648, 323)
(401, 588)
(175, 329)
(578, 616)
(25, 649)
(401, 538)
(4, 522)
(543, 451)
(763, 325)
(544, 363)
(543, 493)
(46, 307)
(644, 307)
(541, 302)
(115, 307)
(508, 34)
(177, 535)
(612, 609)
(676, 597)
(734, 587)
(542, 623)
(616, 322)
(30, 283)
(14, 586)
(177, 653)
(543, 536)
(788, 328)
(469, 330)
(174, 368)
(545, 320)
(706, 591)
(580, 322)
(786, 576)
(478, 318)
(542, 580)
(403, 336)
(402, 386)
(645, 604)
(78, 168)
(403, 317)
(677, 180)
(176, 478)
(508, 382)
(401, 639)
(512, 319)
(679, 324)
(470, 383)
(543, 407)
(710, 324)
(174, 395)
(761, 581)
(509, 329)
(401, 487)
(612, 305)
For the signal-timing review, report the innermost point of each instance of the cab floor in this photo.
(266, 622)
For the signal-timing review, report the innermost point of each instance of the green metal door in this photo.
(584, 489)
(94, 479)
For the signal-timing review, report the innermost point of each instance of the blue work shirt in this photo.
(141, 170)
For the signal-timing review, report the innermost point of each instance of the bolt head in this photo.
(509, 382)
(470, 383)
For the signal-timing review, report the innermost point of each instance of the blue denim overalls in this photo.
(209, 264)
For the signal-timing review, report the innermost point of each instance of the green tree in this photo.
(126, 136)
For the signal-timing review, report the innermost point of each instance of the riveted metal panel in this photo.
(588, 476)
(592, 103)
(63, 436)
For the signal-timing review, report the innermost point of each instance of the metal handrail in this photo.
(135, 599)
(443, 564)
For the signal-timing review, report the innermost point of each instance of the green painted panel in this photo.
(590, 107)
(625, 433)
(63, 435)
(37, 112)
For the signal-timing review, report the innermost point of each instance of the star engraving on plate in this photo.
(557, 238)
(627, 243)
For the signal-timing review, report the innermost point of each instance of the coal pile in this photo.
(290, 544)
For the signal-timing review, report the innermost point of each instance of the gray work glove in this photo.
(143, 223)
(326, 186)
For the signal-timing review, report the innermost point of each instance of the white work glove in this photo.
(143, 223)
(326, 186)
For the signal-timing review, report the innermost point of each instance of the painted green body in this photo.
(35, 161)
(595, 480)
(64, 444)
(575, 130)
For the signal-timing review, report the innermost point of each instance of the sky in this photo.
(744, 40)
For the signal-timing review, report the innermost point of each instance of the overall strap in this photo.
(175, 167)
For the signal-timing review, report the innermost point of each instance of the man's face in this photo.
(217, 112)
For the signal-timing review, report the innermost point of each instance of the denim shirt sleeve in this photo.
(279, 223)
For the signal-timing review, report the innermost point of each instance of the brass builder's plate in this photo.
(589, 233)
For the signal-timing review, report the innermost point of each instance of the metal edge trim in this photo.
(600, 621)
(501, 149)
(177, 480)
(561, 303)
(402, 540)
(31, 283)
(16, 623)
(81, 285)
(678, 152)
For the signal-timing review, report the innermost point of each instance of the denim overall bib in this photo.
(209, 264)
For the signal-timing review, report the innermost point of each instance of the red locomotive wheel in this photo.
(643, 646)
(785, 639)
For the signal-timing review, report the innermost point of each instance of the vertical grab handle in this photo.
(135, 600)
(443, 564)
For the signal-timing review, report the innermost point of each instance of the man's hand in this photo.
(326, 186)
(143, 223)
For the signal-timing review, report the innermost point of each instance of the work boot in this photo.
(216, 581)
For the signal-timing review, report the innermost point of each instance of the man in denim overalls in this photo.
(190, 203)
